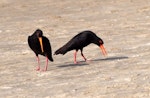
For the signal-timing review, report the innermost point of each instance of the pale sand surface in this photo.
(124, 25)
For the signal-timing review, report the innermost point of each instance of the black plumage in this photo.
(79, 41)
(40, 45)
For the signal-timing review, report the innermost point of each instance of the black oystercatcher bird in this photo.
(79, 41)
(40, 45)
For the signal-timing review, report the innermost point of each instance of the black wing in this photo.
(47, 48)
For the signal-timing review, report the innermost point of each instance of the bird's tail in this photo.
(50, 58)
(61, 50)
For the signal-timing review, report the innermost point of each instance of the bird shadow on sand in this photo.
(83, 63)
(73, 65)
(112, 58)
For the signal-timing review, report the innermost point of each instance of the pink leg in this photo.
(38, 67)
(75, 56)
(46, 66)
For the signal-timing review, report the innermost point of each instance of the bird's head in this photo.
(39, 34)
(100, 43)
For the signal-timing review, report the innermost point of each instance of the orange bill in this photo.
(41, 43)
(103, 50)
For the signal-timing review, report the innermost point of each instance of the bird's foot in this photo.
(38, 68)
(44, 70)
(88, 61)
(75, 62)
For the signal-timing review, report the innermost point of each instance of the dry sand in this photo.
(124, 25)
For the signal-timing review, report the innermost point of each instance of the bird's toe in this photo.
(38, 68)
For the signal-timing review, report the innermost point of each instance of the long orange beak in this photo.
(103, 50)
(41, 43)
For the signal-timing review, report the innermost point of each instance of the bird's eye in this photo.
(100, 41)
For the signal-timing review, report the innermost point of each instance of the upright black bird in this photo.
(79, 41)
(40, 45)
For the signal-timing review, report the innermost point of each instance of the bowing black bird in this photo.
(79, 41)
(40, 45)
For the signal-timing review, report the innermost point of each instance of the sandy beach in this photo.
(124, 26)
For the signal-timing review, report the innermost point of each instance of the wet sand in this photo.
(124, 26)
